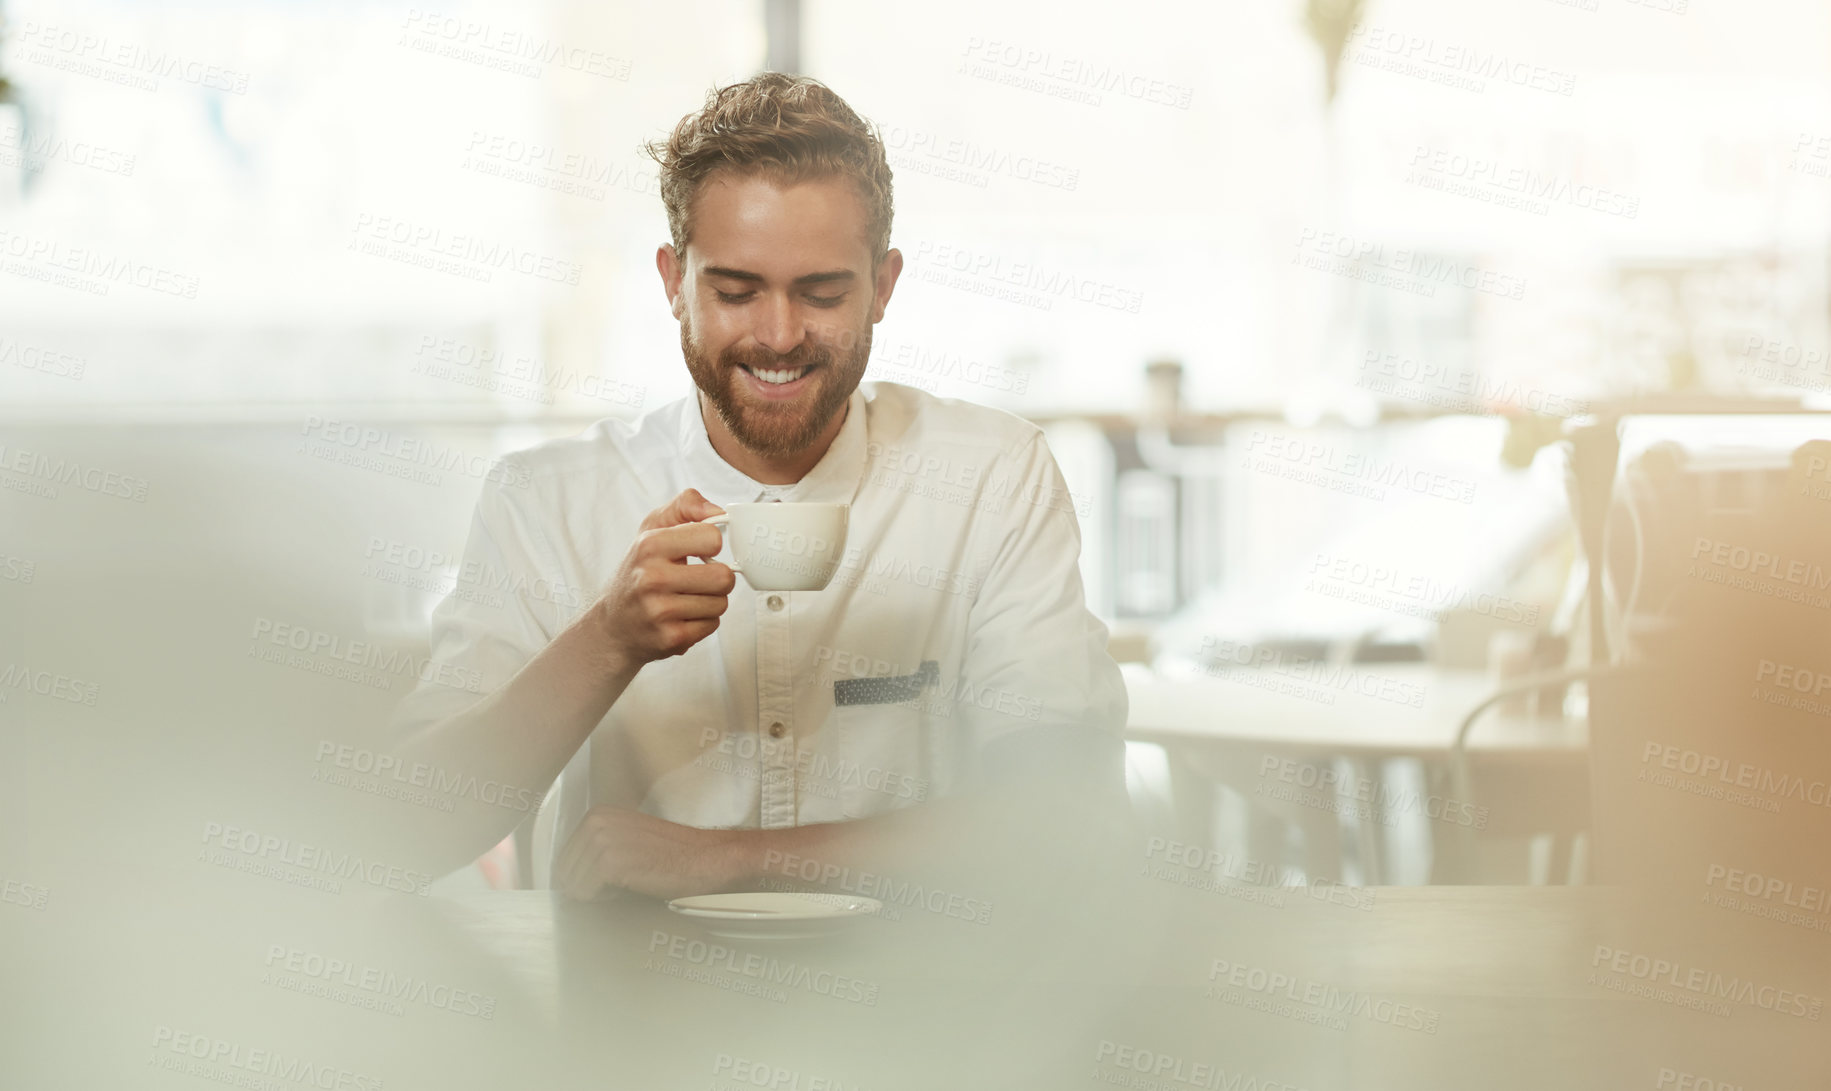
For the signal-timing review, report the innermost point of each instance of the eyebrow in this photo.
(810, 278)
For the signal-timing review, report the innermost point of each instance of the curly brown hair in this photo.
(786, 128)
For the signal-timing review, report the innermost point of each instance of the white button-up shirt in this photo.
(956, 617)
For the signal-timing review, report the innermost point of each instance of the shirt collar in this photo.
(835, 479)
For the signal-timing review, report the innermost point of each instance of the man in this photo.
(698, 729)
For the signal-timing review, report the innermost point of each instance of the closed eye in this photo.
(816, 300)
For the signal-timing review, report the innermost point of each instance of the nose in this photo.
(779, 327)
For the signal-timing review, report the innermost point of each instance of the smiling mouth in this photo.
(777, 376)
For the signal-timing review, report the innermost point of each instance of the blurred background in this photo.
(1314, 298)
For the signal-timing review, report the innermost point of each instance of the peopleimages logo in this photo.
(1429, 270)
(14, 892)
(898, 467)
(1321, 1002)
(926, 366)
(1075, 79)
(1380, 797)
(1304, 460)
(1687, 1081)
(62, 687)
(1188, 864)
(885, 888)
(1300, 676)
(350, 982)
(17, 569)
(130, 64)
(505, 48)
(264, 853)
(43, 473)
(367, 442)
(419, 774)
(35, 150)
(1812, 899)
(517, 375)
(1451, 388)
(1473, 64)
(1701, 984)
(228, 1062)
(938, 697)
(1785, 354)
(991, 272)
(1656, 757)
(1812, 478)
(764, 971)
(1167, 1069)
(517, 160)
(39, 358)
(448, 573)
(957, 159)
(1797, 679)
(88, 269)
(738, 1073)
(319, 652)
(819, 773)
(1409, 593)
(1759, 562)
(460, 253)
(1486, 178)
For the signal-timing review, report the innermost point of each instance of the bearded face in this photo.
(777, 405)
(776, 292)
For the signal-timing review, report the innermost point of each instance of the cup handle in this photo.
(721, 521)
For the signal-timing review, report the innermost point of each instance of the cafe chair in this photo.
(1514, 802)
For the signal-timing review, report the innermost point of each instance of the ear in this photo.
(884, 282)
(673, 272)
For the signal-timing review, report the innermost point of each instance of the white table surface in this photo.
(1236, 711)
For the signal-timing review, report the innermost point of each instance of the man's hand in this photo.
(658, 605)
(636, 851)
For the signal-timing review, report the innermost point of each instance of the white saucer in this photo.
(776, 914)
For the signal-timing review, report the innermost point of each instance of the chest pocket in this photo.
(894, 689)
(880, 746)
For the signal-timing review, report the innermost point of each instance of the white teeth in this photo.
(778, 377)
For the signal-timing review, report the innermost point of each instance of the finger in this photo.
(606, 874)
(681, 542)
(692, 607)
(576, 846)
(582, 877)
(593, 872)
(584, 882)
(711, 578)
(675, 637)
(688, 507)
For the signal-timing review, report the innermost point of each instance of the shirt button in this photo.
(776, 729)
(775, 602)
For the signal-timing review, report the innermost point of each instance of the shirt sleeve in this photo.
(502, 610)
(1036, 657)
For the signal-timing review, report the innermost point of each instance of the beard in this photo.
(777, 429)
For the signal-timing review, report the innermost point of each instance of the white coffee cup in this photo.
(784, 546)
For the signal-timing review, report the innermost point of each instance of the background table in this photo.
(1529, 772)
(1235, 711)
